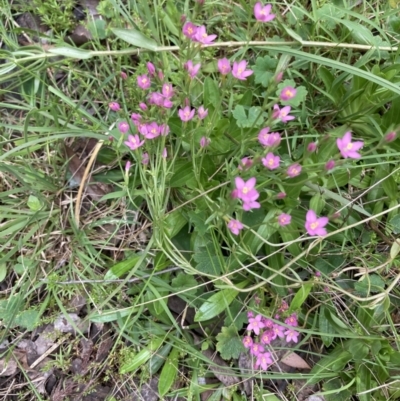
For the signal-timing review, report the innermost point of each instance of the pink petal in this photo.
(311, 216)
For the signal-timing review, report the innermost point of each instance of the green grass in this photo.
(150, 254)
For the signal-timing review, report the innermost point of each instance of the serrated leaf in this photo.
(252, 119)
(229, 344)
(301, 93)
(27, 319)
(216, 304)
(208, 261)
(264, 70)
(184, 281)
(135, 38)
(197, 220)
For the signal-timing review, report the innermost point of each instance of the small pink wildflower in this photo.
(186, 114)
(278, 77)
(136, 118)
(292, 320)
(202, 112)
(284, 306)
(123, 127)
(311, 147)
(160, 75)
(288, 93)
(282, 114)
(245, 163)
(156, 98)
(284, 219)
(247, 341)
(150, 131)
(202, 37)
(250, 314)
(239, 70)
(255, 324)
(143, 106)
(347, 148)
(192, 69)
(145, 159)
(128, 166)
(167, 90)
(189, 30)
(114, 106)
(314, 225)
(164, 153)
(269, 139)
(294, 170)
(256, 349)
(143, 81)
(235, 226)
(235, 194)
(164, 129)
(270, 161)
(263, 13)
(224, 66)
(266, 337)
(269, 324)
(330, 165)
(281, 195)
(151, 69)
(247, 193)
(292, 335)
(167, 104)
(263, 361)
(278, 331)
(133, 142)
(204, 142)
(390, 137)
(123, 75)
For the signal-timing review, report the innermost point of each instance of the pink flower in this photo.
(143, 81)
(270, 140)
(292, 320)
(202, 112)
(250, 314)
(150, 131)
(247, 193)
(311, 147)
(278, 77)
(282, 114)
(390, 137)
(269, 324)
(189, 30)
(235, 226)
(294, 170)
(186, 114)
(247, 341)
(114, 106)
(192, 69)
(133, 142)
(277, 331)
(255, 324)
(164, 129)
(143, 106)
(164, 153)
(239, 70)
(330, 165)
(263, 13)
(266, 337)
(263, 361)
(167, 90)
(270, 161)
(145, 158)
(281, 195)
(284, 219)
(347, 148)
(128, 166)
(256, 349)
(151, 69)
(204, 141)
(314, 225)
(288, 93)
(292, 335)
(123, 75)
(136, 118)
(167, 104)
(202, 37)
(156, 98)
(224, 66)
(160, 75)
(235, 194)
(245, 163)
(123, 127)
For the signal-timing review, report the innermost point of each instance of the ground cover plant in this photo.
(199, 200)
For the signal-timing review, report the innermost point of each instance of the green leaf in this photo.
(183, 282)
(216, 304)
(300, 297)
(229, 343)
(168, 373)
(211, 93)
(363, 382)
(71, 52)
(27, 319)
(3, 271)
(135, 38)
(97, 28)
(370, 283)
(208, 261)
(34, 203)
(253, 118)
(174, 222)
(122, 267)
(325, 327)
(301, 93)
(264, 70)
(184, 175)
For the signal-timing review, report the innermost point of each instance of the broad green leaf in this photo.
(173, 223)
(211, 93)
(142, 357)
(184, 282)
(229, 344)
(255, 116)
(184, 175)
(168, 373)
(135, 38)
(264, 70)
(325, 328)
(122, 267)
(27, 319)
(97, 28)
(209, 260)
(300, 297)
(216, 304)
(71, 52)
(363, 381)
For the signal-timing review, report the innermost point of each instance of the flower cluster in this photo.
(239, 69)
(261, 332)
(197, 33)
